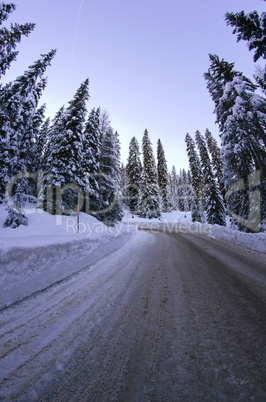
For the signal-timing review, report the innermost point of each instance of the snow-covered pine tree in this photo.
(150, 194)
(185, 188)
(215, 153)
(111, 208)
(31, 157)
(134, 175)
(18, 104)
(124, 183)
(40, 147)
(41, 144)
(241, 115)
(47, 195)
(91, 161)
(180, 191)
(10, 37)
(252, 28)
(174, 198)
(63, 171)
(196, 179)
(104, 124)
(189, 191)
(215, 208)
(163, 177)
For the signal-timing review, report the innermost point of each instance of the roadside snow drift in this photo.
(49, 249)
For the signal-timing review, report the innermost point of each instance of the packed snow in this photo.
(50, 249)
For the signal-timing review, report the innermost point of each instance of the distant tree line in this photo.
(74, 159)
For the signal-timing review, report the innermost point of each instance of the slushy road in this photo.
(168, 317)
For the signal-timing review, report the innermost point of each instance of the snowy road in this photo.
(168, 317)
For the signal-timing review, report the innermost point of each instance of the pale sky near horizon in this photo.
(145, 60)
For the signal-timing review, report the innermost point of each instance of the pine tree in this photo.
(241, 115)
(124, 184)
(104, 124)
(64, 180)
(180, 192)
(111, 208)
(18, 103)
(196, 179)
(18, 125)
(215, 208)
(185, 190)
(252, 28)
(134, 175)
(190, 191)
(150, 202)
(41, 144)
(174, 198)
(91, 161)
(163, 177)
(217, 164)
(10, 38)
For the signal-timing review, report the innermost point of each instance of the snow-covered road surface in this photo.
(168, 317)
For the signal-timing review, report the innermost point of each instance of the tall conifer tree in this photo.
(18, 117)
(215, 208)
(150, 203)
(241, 115)
(134, 174)
(163, 177)
(91, 161)
(64, 160)
(10, 37)
(111, 208)
(196, 177)
(217, 164)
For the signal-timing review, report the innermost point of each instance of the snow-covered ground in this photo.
(49, 249)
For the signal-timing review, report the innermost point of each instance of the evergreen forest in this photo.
(73, 159)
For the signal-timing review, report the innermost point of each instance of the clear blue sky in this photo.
(145, 60)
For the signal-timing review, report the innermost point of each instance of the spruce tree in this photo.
(111, 209)
(196, 179)
(91, 161)
(185, 190)
(150, 200)
(217, 164)
(252, 28)
(41, 144)
(174, 199)
(215, 208)
(180, 191)
(10, 37)
(18, 103)
(19, 121)
(190, 191)
(241, 115)
(163, 177)
(134, 175)
(64, 160)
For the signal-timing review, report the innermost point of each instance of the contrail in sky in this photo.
(74, 44)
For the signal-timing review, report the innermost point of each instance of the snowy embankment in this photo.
(182, 222)
(253, 241)
(49, 249)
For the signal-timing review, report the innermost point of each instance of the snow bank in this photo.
(182, 222)
(253, 241)
(49, 250)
